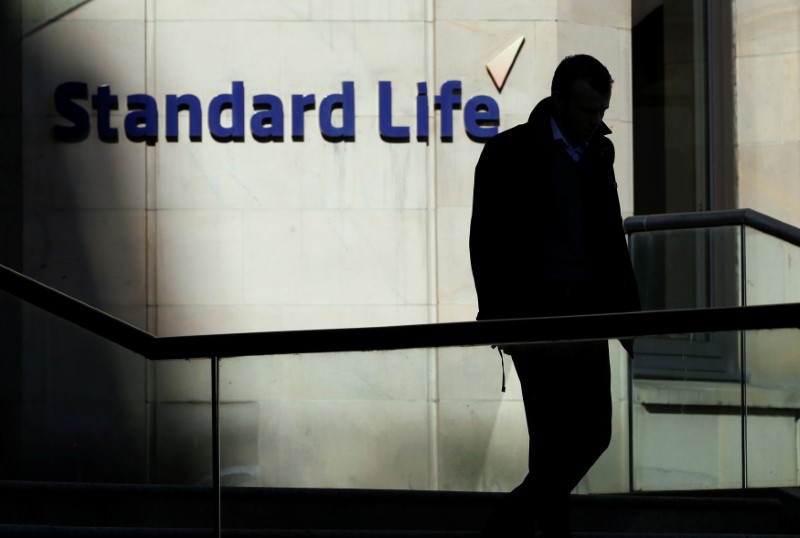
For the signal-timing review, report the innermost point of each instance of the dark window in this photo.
(687, 269)
(683, 162)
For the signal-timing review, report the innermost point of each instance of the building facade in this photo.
(198, 167)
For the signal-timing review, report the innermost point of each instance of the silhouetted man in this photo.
(546, 239)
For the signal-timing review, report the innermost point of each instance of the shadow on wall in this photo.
(81, 409)
(76, 405)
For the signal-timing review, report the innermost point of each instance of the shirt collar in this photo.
(576, 152)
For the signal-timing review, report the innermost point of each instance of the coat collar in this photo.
(539, 120)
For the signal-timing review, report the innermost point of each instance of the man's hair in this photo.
(581, 67)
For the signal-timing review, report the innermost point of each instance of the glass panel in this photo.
(773, 405)
(181, 422)
(84, 410)
(419, 419)
(326, 420)
(686, 269)
(687, 431)
(74, 404)
(694, 268)
(773, 269)
(79, 409)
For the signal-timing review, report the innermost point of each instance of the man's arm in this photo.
(484, 230)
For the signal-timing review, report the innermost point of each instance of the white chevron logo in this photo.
(500, 66)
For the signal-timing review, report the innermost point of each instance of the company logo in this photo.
(500, 66)
(265, 116)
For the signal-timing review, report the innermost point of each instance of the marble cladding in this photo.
(207, 237)
(221, 218)
(767, 54)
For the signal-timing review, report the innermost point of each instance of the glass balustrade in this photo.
(435, 419)
(80, 402)
(735, 390)
(418, 419)
(694, 411)
(95, 434)
(772, 406)
(772, 269)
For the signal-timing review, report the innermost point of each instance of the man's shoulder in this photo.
(536, 128)
(519, 133)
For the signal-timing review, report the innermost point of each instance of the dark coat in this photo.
(511, 199)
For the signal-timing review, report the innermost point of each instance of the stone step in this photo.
(28, 508)
(99, 532)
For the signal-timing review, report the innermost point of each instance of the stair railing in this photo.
(217, 347)
(710, 252)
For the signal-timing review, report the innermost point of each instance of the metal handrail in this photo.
(77, 312)
(742, 220)
(600, 326)
(465, 333)
(470, 333)
(713, 219)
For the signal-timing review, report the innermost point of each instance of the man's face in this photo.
(581, 112)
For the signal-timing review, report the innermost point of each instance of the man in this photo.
(546, 239)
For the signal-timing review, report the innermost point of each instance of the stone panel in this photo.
(345, 444)
(483, 446)
(199, 257)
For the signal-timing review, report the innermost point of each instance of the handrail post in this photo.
(215, 447)
(631, 418)
(743, 355)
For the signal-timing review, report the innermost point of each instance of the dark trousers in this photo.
(566, 390)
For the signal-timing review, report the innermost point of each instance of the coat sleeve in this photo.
(626, 284)
(621, 278)
(487, 213)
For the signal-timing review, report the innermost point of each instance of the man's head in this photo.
(581, 91)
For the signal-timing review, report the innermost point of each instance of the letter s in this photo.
(72, 111)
